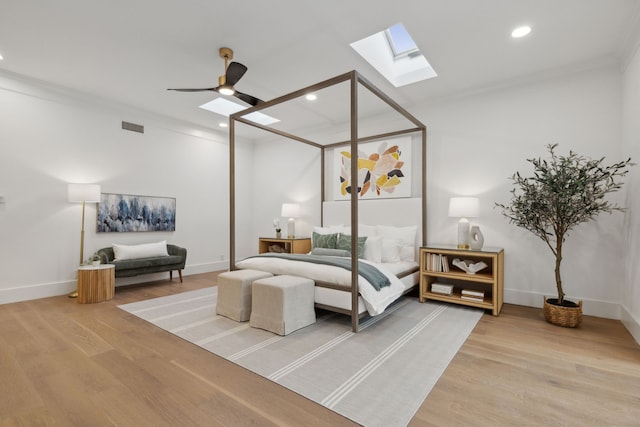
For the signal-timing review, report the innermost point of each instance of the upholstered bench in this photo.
(282, 304)
(146, 258)
(234, 293)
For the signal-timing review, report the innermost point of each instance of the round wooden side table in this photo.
(96, 283)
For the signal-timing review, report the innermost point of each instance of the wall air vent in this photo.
(132, 127)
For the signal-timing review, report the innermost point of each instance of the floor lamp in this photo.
(85, 193)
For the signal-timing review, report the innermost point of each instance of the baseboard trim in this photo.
(37, 291)
(606, 309)
(631, 323)
(53, 289)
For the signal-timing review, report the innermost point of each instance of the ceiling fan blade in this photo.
(195, 90)
(251, 100)
(235, 71)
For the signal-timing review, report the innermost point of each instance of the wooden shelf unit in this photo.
(490, 280)
(298, 245)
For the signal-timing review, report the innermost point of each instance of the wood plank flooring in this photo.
(69, 364)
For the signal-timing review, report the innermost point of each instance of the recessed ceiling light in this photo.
(1, 57)
(223, 124)
(521, 31)
(311, 97)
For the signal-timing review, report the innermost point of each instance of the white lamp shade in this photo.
(290, 210)
(84, 193)
(464, 207)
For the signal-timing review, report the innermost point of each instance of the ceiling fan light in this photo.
(226, 90)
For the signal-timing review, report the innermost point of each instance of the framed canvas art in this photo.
(125, 213)
(383, 170)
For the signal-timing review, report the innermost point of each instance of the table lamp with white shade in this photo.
(463, 208)
(291, 211)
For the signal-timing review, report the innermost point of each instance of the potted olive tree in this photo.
(563, 192)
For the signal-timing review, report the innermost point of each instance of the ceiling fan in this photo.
(232, 73)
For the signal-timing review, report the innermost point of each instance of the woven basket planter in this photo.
(568, 317)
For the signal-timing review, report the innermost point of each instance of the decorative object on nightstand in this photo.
(476, 239)
(276, 226)
(468, 266)
(94, 259)
(291, 211)
(563, 192)
(85, 193)
(463, 208)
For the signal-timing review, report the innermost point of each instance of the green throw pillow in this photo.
(330, 252)
(344, 242)
(327, 241)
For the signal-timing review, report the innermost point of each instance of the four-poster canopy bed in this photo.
(413, 210)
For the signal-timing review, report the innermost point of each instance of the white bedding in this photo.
(375, 301)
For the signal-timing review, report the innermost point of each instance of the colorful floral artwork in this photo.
(383, 171)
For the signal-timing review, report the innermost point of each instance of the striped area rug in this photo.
(377, 377)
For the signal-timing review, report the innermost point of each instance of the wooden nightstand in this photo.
(436, 268)
(300, 245)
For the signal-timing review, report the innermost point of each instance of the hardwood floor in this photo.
(69, 364)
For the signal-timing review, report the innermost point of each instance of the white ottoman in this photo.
(282, 304)
(234, 293)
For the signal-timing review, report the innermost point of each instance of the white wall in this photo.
(631, 143)
(50, 137)
(476, 143)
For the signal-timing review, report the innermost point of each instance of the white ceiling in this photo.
(131, 51)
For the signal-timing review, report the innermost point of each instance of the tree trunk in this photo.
(558, 262)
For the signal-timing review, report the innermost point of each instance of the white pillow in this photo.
(391, 250)
(373, 249)
(332, 229)
(367, 230)
(407, 237)
(145, 250)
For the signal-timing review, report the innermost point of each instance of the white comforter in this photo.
(375, 301)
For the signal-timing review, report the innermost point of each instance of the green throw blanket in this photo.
(374, 276)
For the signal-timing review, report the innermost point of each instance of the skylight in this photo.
(226, 108)
(395, 55)
(400, 41)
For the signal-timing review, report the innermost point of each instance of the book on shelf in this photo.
(471, 298)
(472, 293)
(437, 263)
(442, 288)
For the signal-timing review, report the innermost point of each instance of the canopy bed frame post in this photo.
(424, 185)
(322, 189)
(232, 196)
(354, 202)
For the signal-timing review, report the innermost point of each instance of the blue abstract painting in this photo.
(125, 213)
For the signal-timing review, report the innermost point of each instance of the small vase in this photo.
(476, 239)
(278, 235)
